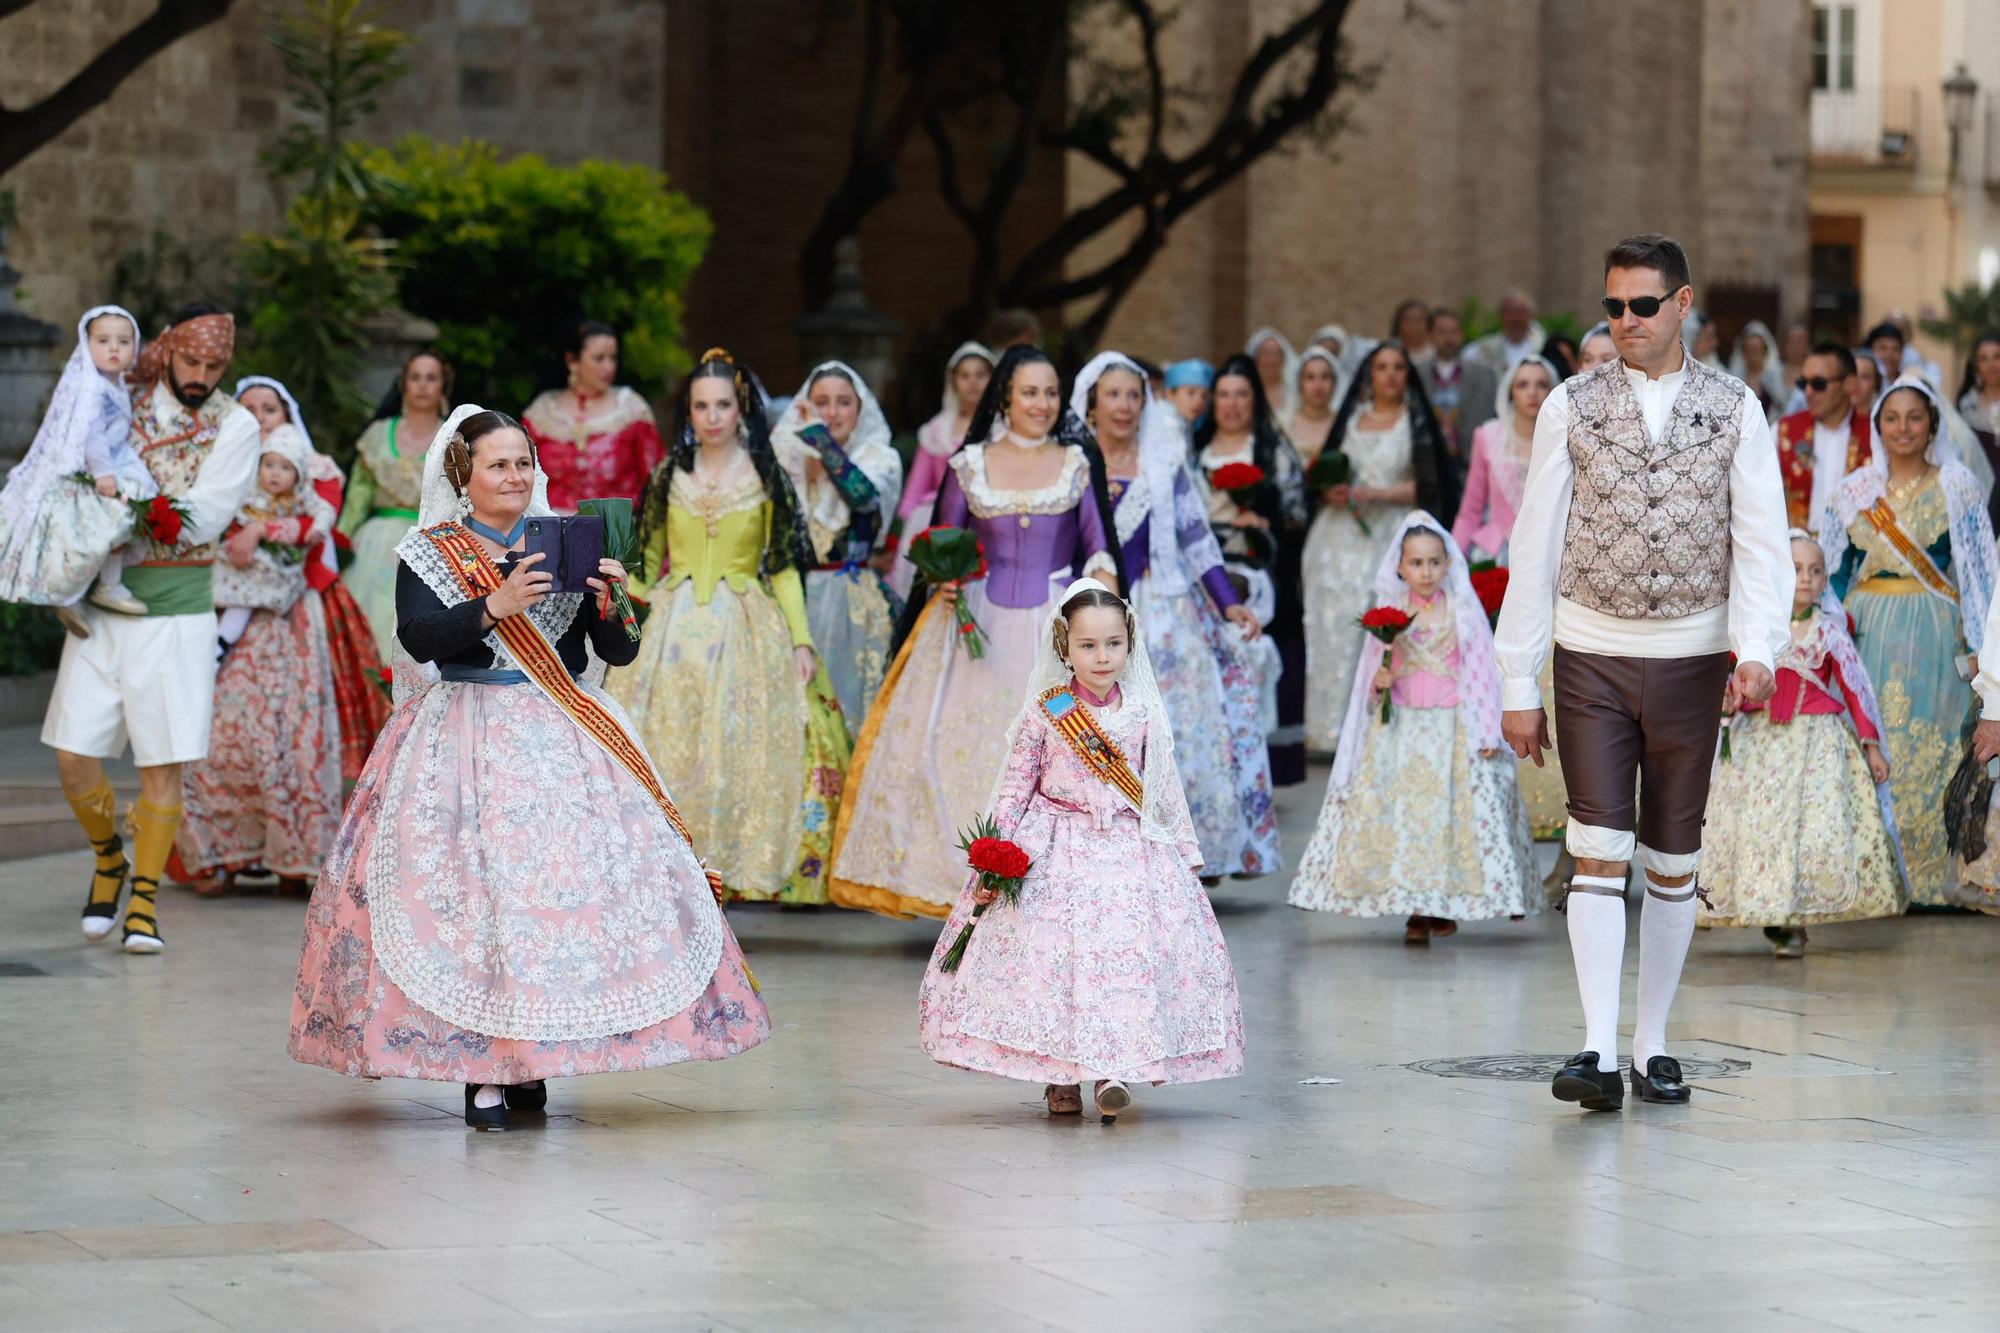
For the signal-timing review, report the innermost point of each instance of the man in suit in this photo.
(1461, 390)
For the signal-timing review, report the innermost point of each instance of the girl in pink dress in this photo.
(1423, 814)
(1110, 965)
(965, 377)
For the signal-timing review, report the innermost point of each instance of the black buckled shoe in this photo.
(528, 1096)
(1661, 1082)
(483, 1117)
(1582, 1082)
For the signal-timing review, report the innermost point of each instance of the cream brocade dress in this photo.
(1339, 571)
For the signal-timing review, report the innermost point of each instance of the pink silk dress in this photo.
(1111, 964)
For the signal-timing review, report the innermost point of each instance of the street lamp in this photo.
(1960, 92)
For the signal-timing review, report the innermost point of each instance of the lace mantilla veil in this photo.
(58, 448)
(1163, 816)
(441, 502)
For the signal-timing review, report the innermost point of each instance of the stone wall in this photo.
(176, 146)
(1505, 143)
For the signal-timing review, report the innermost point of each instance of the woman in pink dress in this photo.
(1500, 461)
(512, 896)
(595, 438)
(1109, 965)
(965, 377)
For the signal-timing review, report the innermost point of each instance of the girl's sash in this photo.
(1087, 741)
(1883, 519)
(478, 576)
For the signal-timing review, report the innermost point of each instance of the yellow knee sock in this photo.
(95, 812)
(153, 829)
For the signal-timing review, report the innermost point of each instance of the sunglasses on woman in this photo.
(1645, 307)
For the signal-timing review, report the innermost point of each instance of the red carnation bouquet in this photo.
(1241, 480)
(1334, 468)
(952, 558)
(1385, 623)
(1489, 585)
(1001, 866)
(160, 519)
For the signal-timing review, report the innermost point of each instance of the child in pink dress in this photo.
(1110, 965)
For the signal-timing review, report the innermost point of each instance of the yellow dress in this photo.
(753, 758)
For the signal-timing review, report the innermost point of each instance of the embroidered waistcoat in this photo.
(1648, 531)
(174, 452)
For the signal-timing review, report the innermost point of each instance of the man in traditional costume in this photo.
(1820, 445)
(152, 678)
(1651, 541)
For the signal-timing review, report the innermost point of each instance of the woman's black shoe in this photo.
(483, 1117)
(528, 1096)
(1661, 1082)
(1581, 1081)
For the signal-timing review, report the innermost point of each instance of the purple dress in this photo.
(1207, 679)
(927, 758)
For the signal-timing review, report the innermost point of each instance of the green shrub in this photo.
(31, 639)
(507, 255)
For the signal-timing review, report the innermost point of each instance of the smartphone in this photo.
(571, 548)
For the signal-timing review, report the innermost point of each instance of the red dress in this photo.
(360, 697)
(592, 451)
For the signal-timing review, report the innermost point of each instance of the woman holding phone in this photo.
(512, 895)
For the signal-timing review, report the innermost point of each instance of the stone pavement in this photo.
(163, 1165)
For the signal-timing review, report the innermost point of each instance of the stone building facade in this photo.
(1505, 143)
(176, 148)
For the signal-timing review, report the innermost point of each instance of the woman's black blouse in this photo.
(430, 631)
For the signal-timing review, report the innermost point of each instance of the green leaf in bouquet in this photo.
(621, 534)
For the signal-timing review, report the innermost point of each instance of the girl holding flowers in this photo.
(1441, 834)
(1105, 963)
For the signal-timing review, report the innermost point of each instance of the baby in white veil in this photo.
(63, 515)
(1109, 964)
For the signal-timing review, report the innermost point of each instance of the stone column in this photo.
(847, 328)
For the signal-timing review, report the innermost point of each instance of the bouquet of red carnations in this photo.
(1241, 480)
(1489, 585)
(1334, 468)
(951, 558)
(160, 519)
(1001, 866)
(1385, 623)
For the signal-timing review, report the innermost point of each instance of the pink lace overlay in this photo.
(1111, 963)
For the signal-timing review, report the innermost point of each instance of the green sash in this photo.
(173, 590)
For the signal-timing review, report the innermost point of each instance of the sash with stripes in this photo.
(1883, 519)
(1087, 741)
(478, 576)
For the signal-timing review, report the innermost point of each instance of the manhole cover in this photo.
(1542, 1068)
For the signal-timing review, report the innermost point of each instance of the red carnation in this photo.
(997, 857)
(163, 521)
(1241, 480)
(997, 864)
(1490, 586)
(1385, 622)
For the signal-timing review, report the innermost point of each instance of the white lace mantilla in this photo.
(1058, 497)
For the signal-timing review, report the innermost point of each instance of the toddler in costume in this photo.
(1800, 829)
(1440, 832)
(1109, 966)
(291, 510)
(58, 531)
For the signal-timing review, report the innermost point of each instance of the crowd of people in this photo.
(518, 810)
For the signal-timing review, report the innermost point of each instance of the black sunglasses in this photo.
(1645, 307)
(1817, 383)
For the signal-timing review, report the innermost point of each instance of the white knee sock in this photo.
(1597, 941)
(1665, 928)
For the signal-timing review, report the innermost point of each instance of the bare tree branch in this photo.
(27, 129)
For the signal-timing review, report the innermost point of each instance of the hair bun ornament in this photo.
(718, 354)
